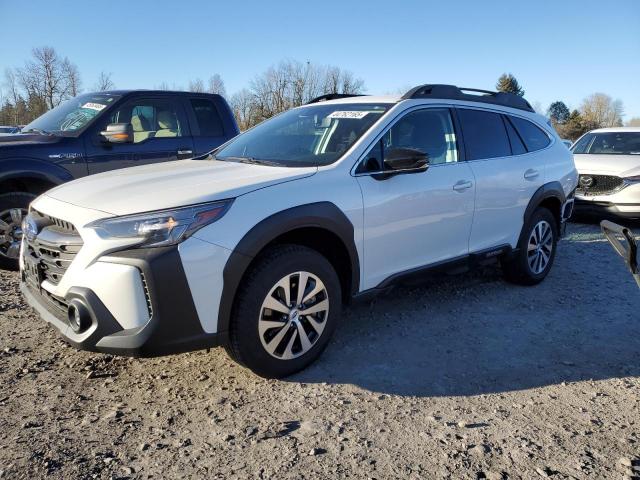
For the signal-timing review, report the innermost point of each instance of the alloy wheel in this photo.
(293, 315)
(11, 232)
(540, 247)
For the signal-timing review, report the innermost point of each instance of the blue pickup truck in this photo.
(96, 132)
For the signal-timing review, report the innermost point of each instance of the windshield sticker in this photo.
(348, 114)
(93, 106)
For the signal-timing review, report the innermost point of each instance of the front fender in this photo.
(30, 168)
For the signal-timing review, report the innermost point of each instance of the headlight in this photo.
(163, 227)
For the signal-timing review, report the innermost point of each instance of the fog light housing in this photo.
(78, 316)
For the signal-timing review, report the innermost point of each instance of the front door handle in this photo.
(531, 174)
(185, 153)
(463, 185)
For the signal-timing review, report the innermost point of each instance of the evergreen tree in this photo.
(574, 127)
(558, 112)
(508, 83)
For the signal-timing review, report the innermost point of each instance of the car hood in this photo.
(172, 184)
(619, 165)
(22, 143)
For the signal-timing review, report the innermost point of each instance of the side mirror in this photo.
(118, 133)
(399, 161)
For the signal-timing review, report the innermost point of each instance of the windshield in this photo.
(610, 143)
(71, 116)
(307, 136)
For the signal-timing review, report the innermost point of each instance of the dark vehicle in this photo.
(97, 132)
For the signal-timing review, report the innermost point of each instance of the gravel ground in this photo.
(464, 377)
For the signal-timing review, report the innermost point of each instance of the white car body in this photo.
(401, 224)
(622, 198)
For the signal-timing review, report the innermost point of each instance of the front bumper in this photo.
(173, 325)
(601, 207)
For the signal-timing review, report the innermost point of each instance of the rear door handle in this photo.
(463, 185)
(531, 174)
(185, 153)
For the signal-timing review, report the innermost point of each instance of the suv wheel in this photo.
(13, 207)
(285, 311)
(536, 250)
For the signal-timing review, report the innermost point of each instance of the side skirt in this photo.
(452, 266)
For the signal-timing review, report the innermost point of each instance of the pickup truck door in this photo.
(160, 130)
(206, 124)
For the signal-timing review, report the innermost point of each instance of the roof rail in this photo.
(333, 96)
(451, 92)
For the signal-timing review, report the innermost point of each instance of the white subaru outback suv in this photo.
(257, 246)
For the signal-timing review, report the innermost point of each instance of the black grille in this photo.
(598, 184)
(56, 223)
(54, 248)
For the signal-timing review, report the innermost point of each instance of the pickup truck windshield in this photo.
(71, 116)
(307, 136)
(609, 143)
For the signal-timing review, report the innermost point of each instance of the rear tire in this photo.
(10, 226)
(536, 250)
(279, 341)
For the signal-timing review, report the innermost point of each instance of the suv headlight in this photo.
(163, 227)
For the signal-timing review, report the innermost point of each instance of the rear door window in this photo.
(533, 136)
(207, 116)
(484, 134)
(517, 146)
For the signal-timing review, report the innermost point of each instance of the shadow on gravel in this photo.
(476, 334)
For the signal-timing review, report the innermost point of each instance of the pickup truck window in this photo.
(207, 116)
(71, 117)
(150, 118)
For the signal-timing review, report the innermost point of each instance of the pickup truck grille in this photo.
(53, 248)
(598, 184)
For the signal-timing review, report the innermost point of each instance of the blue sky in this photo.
(558, 50)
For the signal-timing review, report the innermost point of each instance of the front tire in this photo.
(536, 250)
(13, 207)
(285, 311)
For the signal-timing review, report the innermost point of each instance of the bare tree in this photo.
(216, 85)
(600, 110)
(196, 85)
(13, 94)
(104, 82)
(72, 76)
(49, 77)
(292, 83)
(634, 122)
(243, 107)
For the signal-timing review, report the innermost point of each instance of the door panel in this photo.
(505, 182)
(413, 220)
(161, 134)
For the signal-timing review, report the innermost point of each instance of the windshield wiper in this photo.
(252, 161)
(37, 130)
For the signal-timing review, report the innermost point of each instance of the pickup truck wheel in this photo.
(285, 311)
(13, 208)
(536, 250)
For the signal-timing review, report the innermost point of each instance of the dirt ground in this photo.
(464, 377)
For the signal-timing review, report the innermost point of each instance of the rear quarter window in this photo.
(484, 134)
(532, 135)
(207, 117)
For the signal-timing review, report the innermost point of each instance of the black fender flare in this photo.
(548, 190)
(32, 169)
(324, 215)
